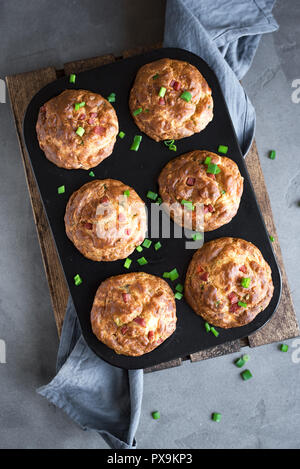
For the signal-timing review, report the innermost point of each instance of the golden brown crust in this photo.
(57, 124)
(186, 178)
(133, 313)
(103, 223)
(170, 117)
(213, 282)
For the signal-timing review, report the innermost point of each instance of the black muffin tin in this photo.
(140, 170)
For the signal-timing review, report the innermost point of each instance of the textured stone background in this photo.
(263, 412)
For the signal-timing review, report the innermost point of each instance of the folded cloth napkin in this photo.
(225, 34)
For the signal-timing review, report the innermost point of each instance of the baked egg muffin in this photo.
(133, 313)
(105, 220)
(197, 182)
(228, 282)
(77, 129)
(170, 99)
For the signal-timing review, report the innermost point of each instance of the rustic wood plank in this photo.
(284, 324)
(21, 89)
(140, 50)
(218, 351)
(87, 64)
(164, 366)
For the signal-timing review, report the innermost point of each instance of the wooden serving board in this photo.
(21, 89)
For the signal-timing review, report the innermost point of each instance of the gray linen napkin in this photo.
(225, 34)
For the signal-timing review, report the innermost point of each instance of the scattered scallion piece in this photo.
(77, 280)
(61, 189)
(178, 295)
(136, 143)
(242, 304)
(173, 147)
(272, 239)
(168, 142)
(173, 274)
(216, 417)
(197, 236)
(92, 174)
(246, 358)
(272, 154)
(147, 243)
(139, 248)
(158, 201)
(179, 287)
(72, 78)
(80, 131)
(246, 375)
(111, 98)
(127, 263)
(223, 149)
(207, 160)
(156, 415)
(240, 362)
(166, 275)
(137, 111)
(188, 204)
(155, 76)
(207, 327)
(284, 347)
(152, 195)
(126, 193)
(142, 261)
(122, 134)
(186, 95)
(213, 168)
(213, 330)
(157, 246)
(162, 91)
(245, 282)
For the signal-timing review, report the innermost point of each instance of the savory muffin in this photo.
(77, 129)
(170, 99)
(201, 190)
(106, 220)
(228, 282)
(133, 313)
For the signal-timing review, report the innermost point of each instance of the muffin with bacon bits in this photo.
(133, 313)
(228, 282)
(77, 129)
(105, 220)
(170, 99)
(201, 181)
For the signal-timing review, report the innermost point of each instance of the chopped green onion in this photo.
(284, 347)
(168, 142)
(61, 189)
(197, 236)
(139, 248)
(72, 78)
(122, 134)
(137, 111)
(213, 330)
(80, 131)
(155, 76)
(179, 287)
(216, 417)
(127, 263)
(207, 327)
(92, 174)
(240, 362)
(162, 92)
(152, 195)
(223, 192)
(178, 295)
(246, 358)
(213, 168)
(136, 143)
(79, 105)
(241, 303)
(111, 98)
(156, 415)
(272, 239)
(158, 201)
(188, 204)
(272, 154)
(245, 282)
(142, 261)
(246, 375)
(173, 147)
(207, 160)
(147, 243)
(173, 275)
(77, 280)
(166, 275)
(223, 149)
(186, 95)
(157, 246)
(126, 193)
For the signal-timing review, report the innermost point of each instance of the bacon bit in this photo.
(99, 130)
(172, 83)
(190, 181)
(212, 176)
(177, 86)
(93, 114)
(233, 298)
(140, 321)
(126, 297)
(124, 330)
(127, 232)
(82, 116)
(161, 101)
(234, 308)
(121, 217)
(243, 269)
(104, 200)
(210, 208)
(204, 277)
(150, 335)
(88, 226)
(91, 121)
(199, 269)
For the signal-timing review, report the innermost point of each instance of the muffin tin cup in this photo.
(140, 170)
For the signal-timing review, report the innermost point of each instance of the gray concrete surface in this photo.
(262, 413)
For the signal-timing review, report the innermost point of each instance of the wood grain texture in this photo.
(21, 88)
(164, 366)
